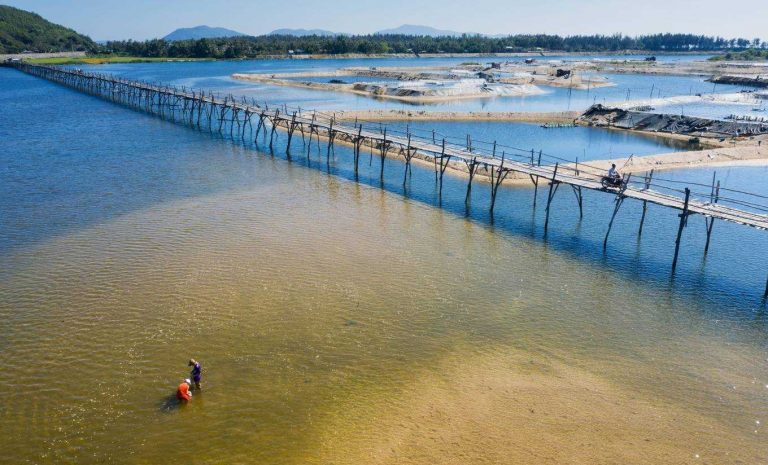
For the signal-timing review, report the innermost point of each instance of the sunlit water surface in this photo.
(345, 322)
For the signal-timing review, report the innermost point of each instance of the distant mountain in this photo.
(415, 30)
(201, 32)
(22, 30)
(303, 32)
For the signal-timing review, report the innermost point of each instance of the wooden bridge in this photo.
(236, 118)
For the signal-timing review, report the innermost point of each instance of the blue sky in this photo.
(144, 19)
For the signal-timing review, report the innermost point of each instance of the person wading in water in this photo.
(197, 373)
(183, 393)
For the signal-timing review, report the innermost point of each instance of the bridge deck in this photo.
(566, 175)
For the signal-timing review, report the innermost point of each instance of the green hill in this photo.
(21, 30)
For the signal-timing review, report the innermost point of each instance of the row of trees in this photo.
(235, 47)
(752, 54)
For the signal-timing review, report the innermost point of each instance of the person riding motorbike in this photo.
(613, 178)
(613, 173)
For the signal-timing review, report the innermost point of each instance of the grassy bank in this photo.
(99, 60)
(746, 55)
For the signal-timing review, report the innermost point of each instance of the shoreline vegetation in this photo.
(418, 45)
(66, 58)
(86, 57)
(746, 55)
(107, 59)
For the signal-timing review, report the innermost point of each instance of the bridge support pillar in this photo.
(383, 154)
(408, 155)
(501, 174)
(683, 221)
(358, 142)
(535, 181)
(579, 200)
(553, 185)
(647, 181)
(472, 167)
(714, 198)
(443, 166)
(619, 202)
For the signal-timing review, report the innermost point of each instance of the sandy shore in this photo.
(750, 155)
(381, 92)
(422, 115)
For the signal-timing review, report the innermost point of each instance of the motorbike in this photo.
(611, 182)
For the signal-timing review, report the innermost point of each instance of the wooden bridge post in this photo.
(443, 167)
(495, 183)
(472, 167)
(535, 181)
(553, 184)
(648, 178)
(313, 130)
(246, 120)
(291, 127)
(683, 218)
(408, 155)
(619, 201)
(579, 200)
(211, 108)
(274, 128)
(358, 141)
(442, 155)
(222, 112)
(259, 126)
(714, 197)
(200, 106)
(331, 135)
(383, 153)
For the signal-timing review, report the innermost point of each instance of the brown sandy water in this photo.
(338, 323)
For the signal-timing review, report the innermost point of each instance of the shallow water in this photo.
(216, 76)
(339, 321)
(558, 144)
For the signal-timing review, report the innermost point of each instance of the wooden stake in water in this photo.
(683, 218)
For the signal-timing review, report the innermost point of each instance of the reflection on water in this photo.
(338, 322)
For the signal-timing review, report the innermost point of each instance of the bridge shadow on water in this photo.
(728, 281)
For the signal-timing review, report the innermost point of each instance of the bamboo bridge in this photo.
(236, 118)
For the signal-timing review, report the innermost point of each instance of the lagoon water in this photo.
(353, 322)
(216, 76)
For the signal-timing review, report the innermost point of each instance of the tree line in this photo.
(24, 31)
(247, 47)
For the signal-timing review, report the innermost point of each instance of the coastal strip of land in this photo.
(558, 117)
